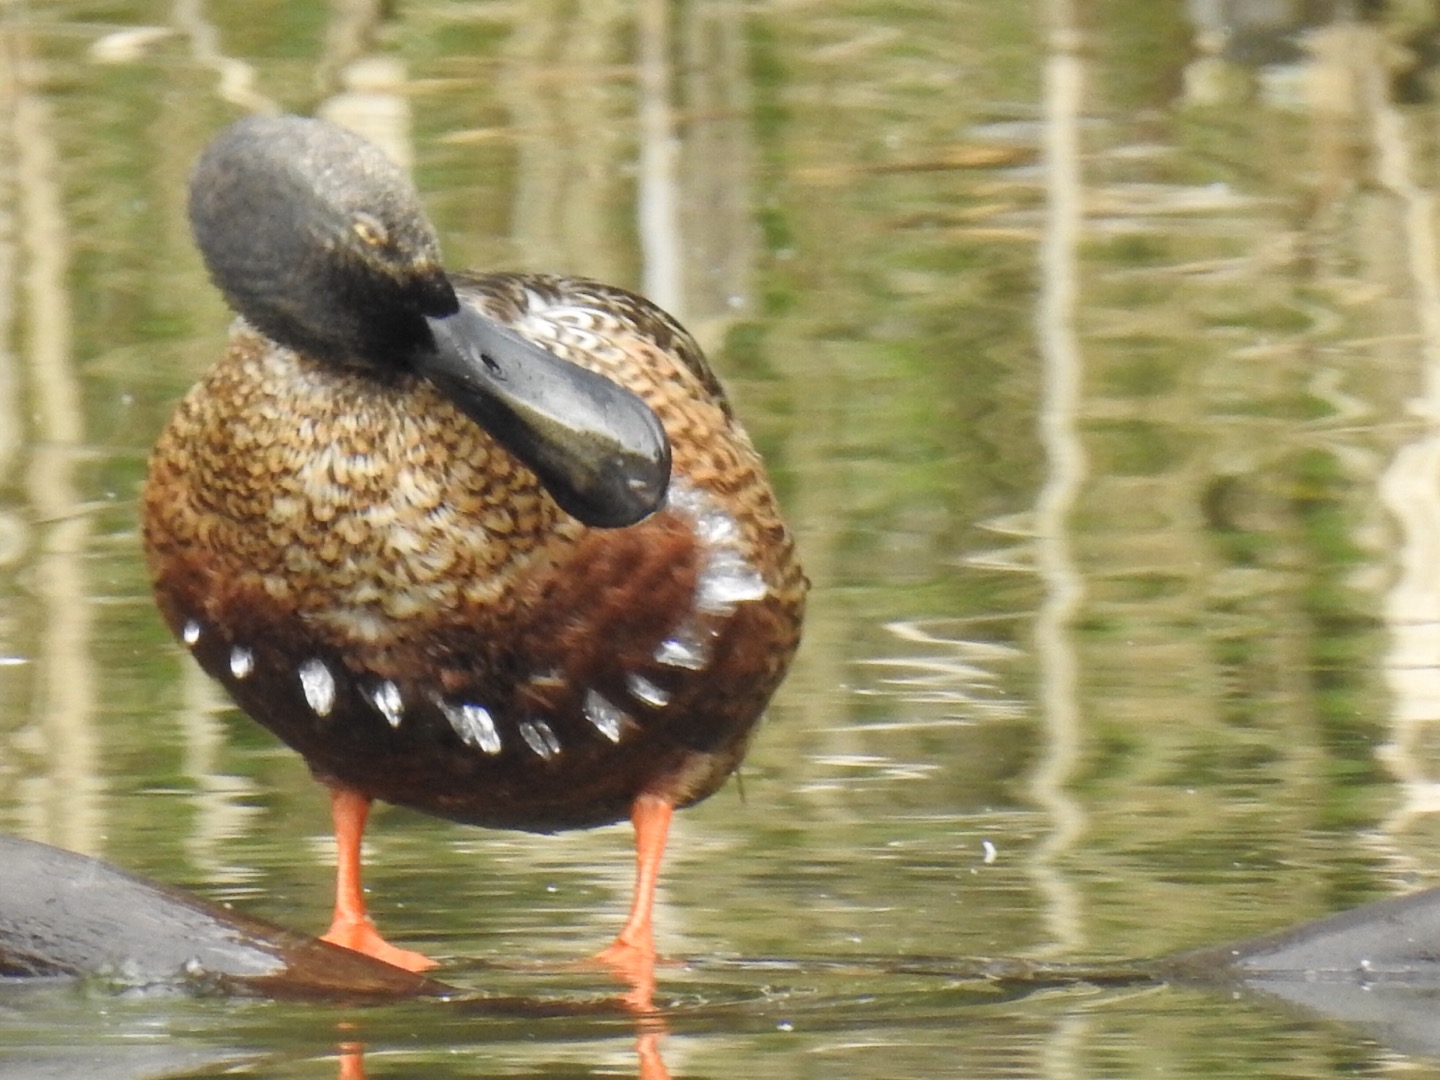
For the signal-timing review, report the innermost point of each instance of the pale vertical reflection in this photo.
(372, 102)
(370, 92)
(237, 77)
(1410, 486)
(1065, 459)
(221, 810)
(61, 804)
(13, 537)
(716, 185)
(575, 137)
(349, 36)
(663, 274)
(12, 424)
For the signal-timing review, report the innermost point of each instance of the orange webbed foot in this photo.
(633, 964)
(360, 935)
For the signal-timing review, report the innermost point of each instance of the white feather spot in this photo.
(242, 661)
(191, 632)
(540, 738)
(726, 580)
(474, 724)
(717, 527)
(688, 648)
(318, 685)
(642, 689)
(386, 698)
(604, 715)
(727, 577)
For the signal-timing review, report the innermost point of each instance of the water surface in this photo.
(1093, 347)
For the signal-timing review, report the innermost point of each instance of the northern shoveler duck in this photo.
(491, 546)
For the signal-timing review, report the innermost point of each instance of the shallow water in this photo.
(1095, 351)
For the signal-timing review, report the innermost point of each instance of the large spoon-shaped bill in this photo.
(597, 448)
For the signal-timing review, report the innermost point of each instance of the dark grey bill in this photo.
(597, 448)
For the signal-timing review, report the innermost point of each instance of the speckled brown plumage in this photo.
(299, 512)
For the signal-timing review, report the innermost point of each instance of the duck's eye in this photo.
(370, 230)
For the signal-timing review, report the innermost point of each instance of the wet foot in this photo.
(362, 937)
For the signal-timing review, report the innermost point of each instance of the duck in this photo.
(490, 546)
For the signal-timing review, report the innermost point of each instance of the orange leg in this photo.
(632, 954)
(352, 1061)
(351, 927)
(652, 1065)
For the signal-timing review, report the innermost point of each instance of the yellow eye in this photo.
(370, 230)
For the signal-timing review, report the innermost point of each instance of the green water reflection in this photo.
(1100, 384)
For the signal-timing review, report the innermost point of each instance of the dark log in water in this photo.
(1386, 941)
(1375, 967)
(66, 914)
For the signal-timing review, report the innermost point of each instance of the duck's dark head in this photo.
(319, 240)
